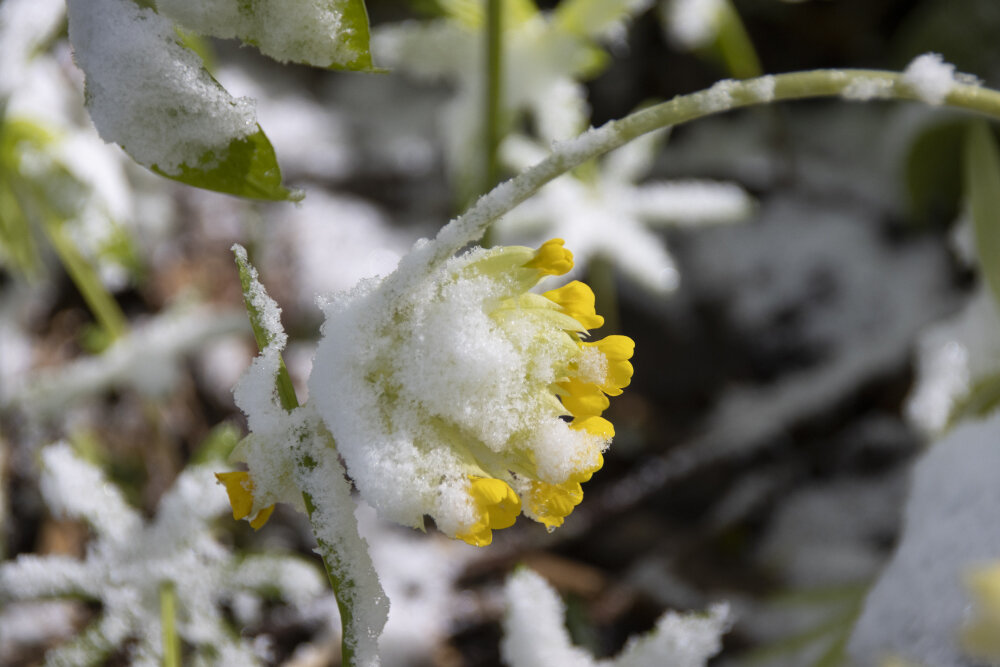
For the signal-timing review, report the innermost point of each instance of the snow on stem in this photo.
(723, 96)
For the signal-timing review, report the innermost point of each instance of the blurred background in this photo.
(763, 449)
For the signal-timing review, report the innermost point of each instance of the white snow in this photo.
(930, 77)
(535, 633)
(863, 89)
(691, 24)
(149, 94)
(918, 604)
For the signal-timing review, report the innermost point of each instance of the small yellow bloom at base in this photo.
(497, 506)
(552, 503)
(239, 488)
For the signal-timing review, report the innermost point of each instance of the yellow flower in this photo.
(239, 488)
(469, 392)
(497, 506)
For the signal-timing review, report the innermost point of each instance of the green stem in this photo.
(735, 46)
(601, 278)
(168, 615)
(492, 98)
(103, 306)
(338, 569)
(723, 96)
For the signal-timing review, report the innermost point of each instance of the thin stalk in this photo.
(168, 623)
(601, 278)
(492, 98)
(723, 96)
(337, 570)
(102, 305)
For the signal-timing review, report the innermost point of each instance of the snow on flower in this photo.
(447, 398)
(129, 561)
(601, 212)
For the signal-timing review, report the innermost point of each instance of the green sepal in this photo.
(247, 168)
(982, 189)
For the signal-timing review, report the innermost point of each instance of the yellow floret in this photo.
(576, 299)
(552, 259)
(618, 350)
(239, 488)
(497, 507)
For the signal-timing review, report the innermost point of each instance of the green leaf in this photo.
(982, 399)
(593, 18)
(982, 188)
(247, 168)
(933, 172)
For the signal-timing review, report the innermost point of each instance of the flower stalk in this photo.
(723, 96)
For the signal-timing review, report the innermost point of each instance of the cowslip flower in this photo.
(466, 397)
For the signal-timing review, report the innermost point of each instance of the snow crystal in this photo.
(535, 634)
(304, 31)
(865, 88)
(930, 77)
(762, 88)
(148, 93)
(692, 24)
(918, 604)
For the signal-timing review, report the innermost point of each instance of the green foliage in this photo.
(932, 172)
(247, 168)
(982, 188)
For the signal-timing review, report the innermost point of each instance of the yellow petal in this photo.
(496, 505)
(577, 300)
(239, 488)
(582, 399)
(552, 259)
(617, 350)
(598, 426)
(552, 503)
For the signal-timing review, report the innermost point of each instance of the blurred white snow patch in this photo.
(220, 365)
(148, 93)
(146, 359)
(609, 214)
(952, 357)
(691, 24)
(36, 623)
(930, 77)
(333, 242)
(918, 605)
(831, 534)
(309, 138)
(418, 573)
(535, 633)
(25, 26)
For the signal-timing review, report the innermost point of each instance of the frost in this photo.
(930, 77)
(302, 31)
(863, 89)
(918, 604)
(535, 634)
(580, 210)
(691, 24)
(719, 97)
(148, 93)
(129, 560)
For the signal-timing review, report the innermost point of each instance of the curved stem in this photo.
(723, 96)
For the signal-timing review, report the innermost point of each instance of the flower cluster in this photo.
(467, 397)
